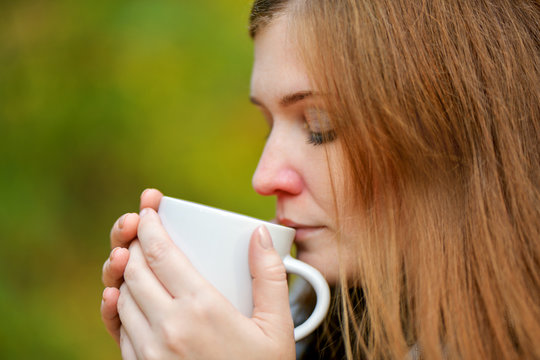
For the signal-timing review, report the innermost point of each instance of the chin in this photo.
(327, 265)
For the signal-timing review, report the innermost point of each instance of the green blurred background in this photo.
(99, 100)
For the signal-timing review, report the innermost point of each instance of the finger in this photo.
(109, 312)
(113, 268)
(124, 230)
(271, 308)
(135, 324)
(150, 198)
(147, 291)
(126, 347)
(170, 265)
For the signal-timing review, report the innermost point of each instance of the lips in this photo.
(303, 231)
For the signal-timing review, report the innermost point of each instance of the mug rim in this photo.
(216, 210)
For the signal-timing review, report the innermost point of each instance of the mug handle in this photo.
(319, 284)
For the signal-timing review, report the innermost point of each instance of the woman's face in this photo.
(300, 152)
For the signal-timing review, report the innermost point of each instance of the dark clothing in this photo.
(317, 346)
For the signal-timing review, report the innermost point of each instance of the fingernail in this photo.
(105, 291)
(113, 254)
(144, 192)
(143, 212)
(121, 221)
(264, 237)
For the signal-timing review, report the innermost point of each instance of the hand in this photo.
(123, 232)
(168, 310)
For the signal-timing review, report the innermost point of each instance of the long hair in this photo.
(436, 105)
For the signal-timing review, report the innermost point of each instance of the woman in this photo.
(405, 149)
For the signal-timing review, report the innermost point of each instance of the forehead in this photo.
(277, 69)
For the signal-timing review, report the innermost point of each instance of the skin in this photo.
(293, 170)
(164, 305)
(164, 309)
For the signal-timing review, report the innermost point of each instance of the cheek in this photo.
(318, 173)
(337, 170)
(326, 171)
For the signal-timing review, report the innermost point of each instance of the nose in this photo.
(277, 172)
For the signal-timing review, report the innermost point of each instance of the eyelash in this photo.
(315, 138)
(319, 138)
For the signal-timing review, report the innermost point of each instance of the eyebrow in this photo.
(289, 99)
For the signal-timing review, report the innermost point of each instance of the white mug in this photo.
(216, 242)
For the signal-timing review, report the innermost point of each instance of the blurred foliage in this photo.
(99, 100)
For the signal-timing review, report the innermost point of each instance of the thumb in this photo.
(271, 308)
